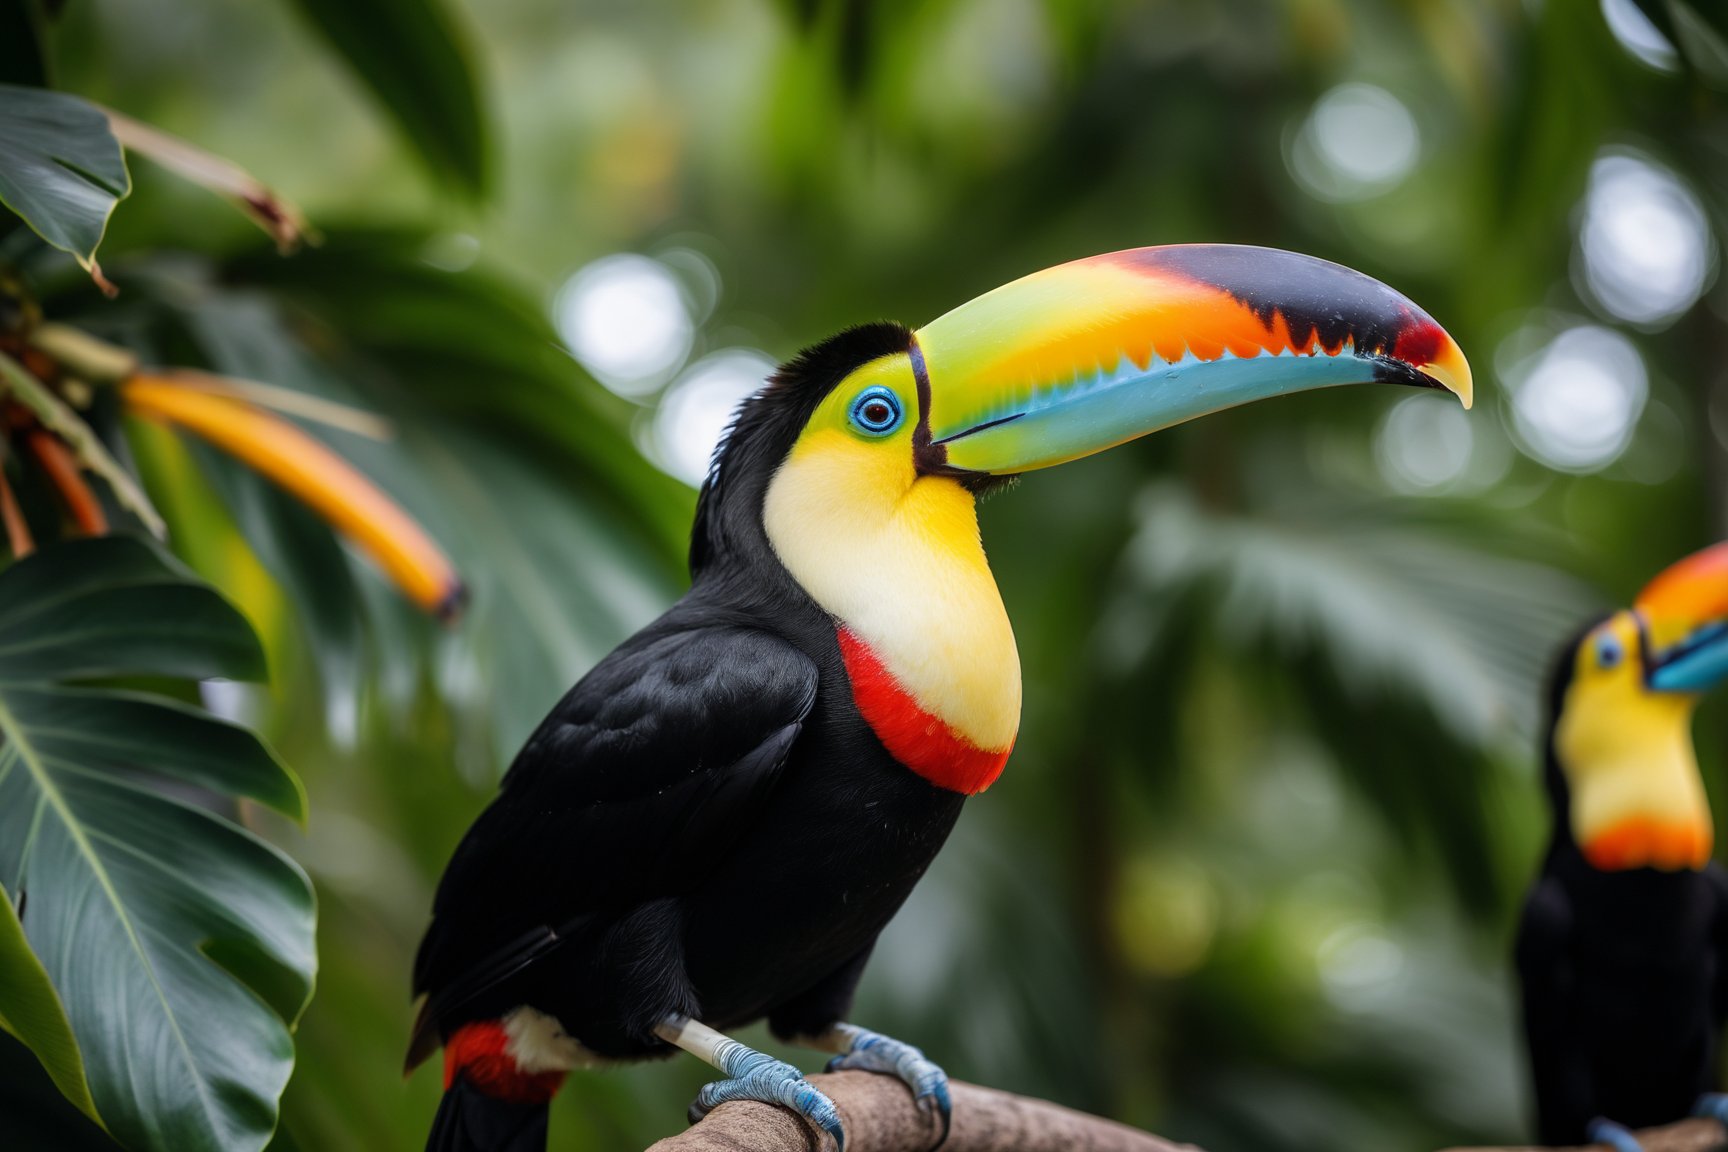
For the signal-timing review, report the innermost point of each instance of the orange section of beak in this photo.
(313, 474)
(1641, 842)
(1686, 595)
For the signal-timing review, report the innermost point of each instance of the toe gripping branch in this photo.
(1712, 1106)
(867, 1051)
(1616, 1136)
(752, 1075)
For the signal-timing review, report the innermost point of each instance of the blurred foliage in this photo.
(1250, 878)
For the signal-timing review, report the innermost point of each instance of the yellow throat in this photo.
(895, 557)
(1637, 799)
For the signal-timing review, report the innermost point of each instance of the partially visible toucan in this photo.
(1622, 952)
(717, 821)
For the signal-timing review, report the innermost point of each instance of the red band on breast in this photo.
(481, 1052)
(921, 741)
(1643, 842)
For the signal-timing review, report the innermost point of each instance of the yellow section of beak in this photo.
(1452, 371)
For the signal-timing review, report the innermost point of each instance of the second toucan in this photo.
(1622, 951)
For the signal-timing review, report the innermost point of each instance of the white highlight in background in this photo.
(1359, 141)
(696, 410)
(1645, 242)
(1638, 36)
(1576, 401)
(626, 320)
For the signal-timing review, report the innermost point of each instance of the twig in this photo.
(880, 1117)
(17, 531)
(1686, 1136)
(62, 469)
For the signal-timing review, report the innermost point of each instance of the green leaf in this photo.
(417, 61)
(61, 170)
(179, 942)
(30, 1009)
(568, 538)
(1464, 633)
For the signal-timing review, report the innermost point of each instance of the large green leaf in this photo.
(567, 537)
(61, 170)
(179, 942)
(1466, 634)
(415, 58)
(30, 1009)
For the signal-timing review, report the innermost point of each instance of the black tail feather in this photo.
(468, 1120)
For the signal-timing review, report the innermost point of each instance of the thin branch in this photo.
(1686, 1136)
(880, 1117)
(281, 219)
(62, 470)
(17, 531)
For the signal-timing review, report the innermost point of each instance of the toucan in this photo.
(714, 825)
(1622, 950)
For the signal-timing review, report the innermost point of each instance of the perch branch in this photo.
(1686, 1136)
(880, 1117)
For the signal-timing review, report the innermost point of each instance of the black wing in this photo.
(1558, 1070)
(645, 771)
(1718, 885)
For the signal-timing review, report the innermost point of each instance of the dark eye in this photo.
(876, 411)
(1609, 651)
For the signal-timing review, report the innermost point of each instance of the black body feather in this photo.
(468, 1120)
(704, 825)
(1624, 978)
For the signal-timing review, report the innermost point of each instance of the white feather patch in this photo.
(538, 1043)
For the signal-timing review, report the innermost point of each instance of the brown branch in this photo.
(880, 1117)
(1686, 1136)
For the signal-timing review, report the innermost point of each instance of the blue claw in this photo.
(874, 1052)
(758, 1076)
(1714, 1106)
(1616, 1136)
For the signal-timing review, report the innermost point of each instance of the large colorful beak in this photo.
(1084, 356)
(1684, 614)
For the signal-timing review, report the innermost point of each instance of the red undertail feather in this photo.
(481, 1053)
(923, 742)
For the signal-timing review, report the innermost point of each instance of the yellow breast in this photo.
(897, 559)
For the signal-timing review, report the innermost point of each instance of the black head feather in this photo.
(763, 430)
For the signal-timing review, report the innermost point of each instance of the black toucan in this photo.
(715, 824)
(1622, 952)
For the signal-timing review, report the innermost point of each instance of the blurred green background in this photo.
(1250, 877)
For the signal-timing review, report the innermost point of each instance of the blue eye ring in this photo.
(876, 411)
(1609, 651)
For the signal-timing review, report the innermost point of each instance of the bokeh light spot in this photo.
(1645, 242)
(1359, 141)
(1424, 443)
(625, 319)
(696, 410)
(1638, 36)
(1576, 401)
(1357, 961)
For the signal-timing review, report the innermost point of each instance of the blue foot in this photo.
(1616, 1136)
(1714, 1106)
(758, 1076)
(874, 1052)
